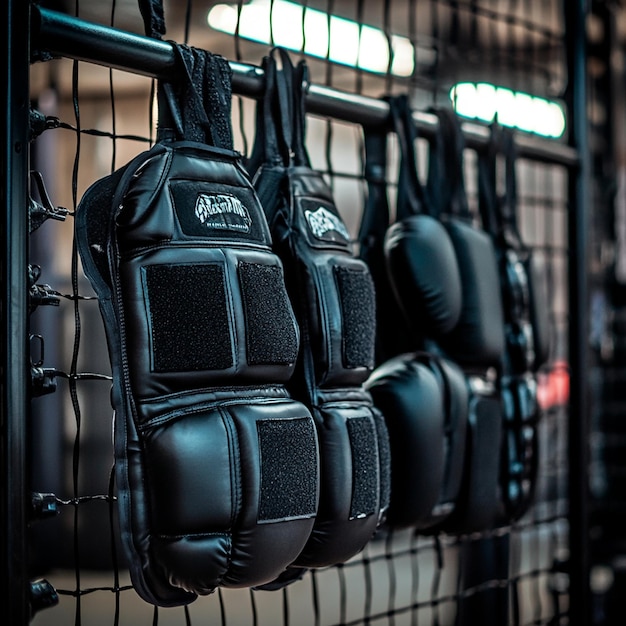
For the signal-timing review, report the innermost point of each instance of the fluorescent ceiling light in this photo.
(338, 39)
(489, 103)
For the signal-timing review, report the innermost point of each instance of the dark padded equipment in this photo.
(425, 403)
(334, 300)
(423, 396)
(526, 324)
(216, 465)
(426, 278)
(477, 342)
(442, 270)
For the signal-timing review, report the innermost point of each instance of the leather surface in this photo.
(217, 467)
(334, 300)
(480, 504)
(477, 341)
(424, 401)
(424, 274)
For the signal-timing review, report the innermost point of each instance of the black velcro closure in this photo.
(365, 467)
(271, 336)
(358, 311)
(384, 454)
(288, 455)
(188, 317)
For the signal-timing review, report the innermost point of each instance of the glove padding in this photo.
(216, 466)
(334, 301)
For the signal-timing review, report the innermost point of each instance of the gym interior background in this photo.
(552, 70)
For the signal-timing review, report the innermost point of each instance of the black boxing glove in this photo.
(333, 297)
(216, 466)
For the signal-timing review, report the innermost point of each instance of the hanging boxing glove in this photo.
(437, 262)
(216, 466)
(526, 324)
(476, 343)
(423, 396)
(333, 297)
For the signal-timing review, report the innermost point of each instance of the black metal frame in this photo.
(62, 35)
(578, 272)
(14, 405)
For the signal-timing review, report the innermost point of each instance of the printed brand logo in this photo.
(322, 221)
(223, 212)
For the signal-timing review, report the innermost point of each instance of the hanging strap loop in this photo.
(153, 18)
(411, 198)
(446, 178)
(375, 219)
(197, 108)
(507, 207)
(281, 120)
(487, 183)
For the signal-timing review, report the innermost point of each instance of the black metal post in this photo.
(578, 228)
(14, 76)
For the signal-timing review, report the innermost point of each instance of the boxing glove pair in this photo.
(440, 397)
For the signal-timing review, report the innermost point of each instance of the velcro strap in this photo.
(198, 108)
(153, 18)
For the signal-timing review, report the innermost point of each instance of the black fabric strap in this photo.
(392, 332)
(507, 208)
(281, 119)
(153, 17)
(446, 183)
(499, 211)
(265, 147)
(283, 104)
(375, 219)
(487, 187)
(198, 108)
(411, 199)
(301, 86)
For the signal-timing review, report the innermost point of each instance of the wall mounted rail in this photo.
(62, 35)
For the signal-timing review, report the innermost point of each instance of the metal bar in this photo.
(14, 313)
(578, 240)
(59, 34)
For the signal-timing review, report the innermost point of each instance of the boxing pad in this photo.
(216, 465)
(477, 340)
(526, 324)
(423, 396)
(424, 274)
(442, 269)
(334, 300)
(435, 269)
(425, 402)
(477, 344)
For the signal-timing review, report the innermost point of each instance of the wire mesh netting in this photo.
(104, 117)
